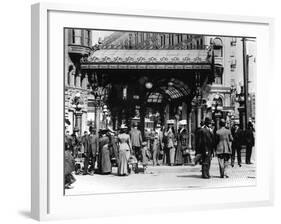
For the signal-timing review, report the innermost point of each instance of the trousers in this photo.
(248, 154)
(206, 164)
(223, 164)
(236, 150)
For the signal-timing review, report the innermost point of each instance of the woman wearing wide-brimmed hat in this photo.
(124, 151)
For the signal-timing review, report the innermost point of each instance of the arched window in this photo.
(218, 47)
(77, 36)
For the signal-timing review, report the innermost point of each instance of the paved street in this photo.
(163, 178)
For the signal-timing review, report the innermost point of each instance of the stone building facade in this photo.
(77, 45)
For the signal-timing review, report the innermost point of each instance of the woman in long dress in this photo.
(171, 145)
(124, 151)
(105, 162)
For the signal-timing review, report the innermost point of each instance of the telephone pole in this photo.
(246, 81)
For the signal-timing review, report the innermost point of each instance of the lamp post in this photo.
(240, 98)
(105, 115)
(99, 94)
(217, 110)
(77, 105)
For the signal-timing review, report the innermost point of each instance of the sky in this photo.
(96, 35)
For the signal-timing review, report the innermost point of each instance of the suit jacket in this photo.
(223, 139)
(249, 137)
(93, 140)
(238, 137)
(205, 141)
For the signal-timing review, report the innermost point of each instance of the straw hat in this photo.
(123, 126)
(170, 121)
(182, 122)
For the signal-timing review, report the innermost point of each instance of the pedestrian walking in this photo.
(155, 148)
(206, 147)
(85, 150)
(136, 140)
(223, 148)
(93, 149)
(171, 142)
(250, 142)
(105, 161)
(124, 151)
(161, 144)
(181, 143)
(237, 134)
(144, 151)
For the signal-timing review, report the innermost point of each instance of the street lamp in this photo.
(77, 105)
(99, 94)
(217, 109)
(105, 115)
(148, 85)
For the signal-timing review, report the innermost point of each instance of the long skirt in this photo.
(172, 155)
(123, 162)
(179, 156)
(105, 160)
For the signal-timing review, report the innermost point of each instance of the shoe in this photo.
(232, 165)
(205, 177)
(226, 176)
(239, 165)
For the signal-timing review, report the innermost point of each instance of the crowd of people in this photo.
(224, 143)
(128, 150)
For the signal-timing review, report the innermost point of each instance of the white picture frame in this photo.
(47, 201)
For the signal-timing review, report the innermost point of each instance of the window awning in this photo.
(147, 59)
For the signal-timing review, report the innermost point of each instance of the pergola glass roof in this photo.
(168, 89)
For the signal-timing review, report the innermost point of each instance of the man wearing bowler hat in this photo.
(206, 147)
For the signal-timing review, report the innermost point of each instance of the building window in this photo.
(76, 36)
(87, 37)
(233, 64)
(233, 41)
(218, 79)
(218, 47)
(162, 40)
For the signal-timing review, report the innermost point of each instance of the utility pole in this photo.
(246, 81)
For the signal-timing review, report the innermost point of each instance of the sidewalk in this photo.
(163, 178)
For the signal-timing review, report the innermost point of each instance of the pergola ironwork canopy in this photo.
(147, 59)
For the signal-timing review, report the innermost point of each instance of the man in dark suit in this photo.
(237, 134)
(250, 142)
(85, 151)
(93, 149)
(223, 149)
(206, 147)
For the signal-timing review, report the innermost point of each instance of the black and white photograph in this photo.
(149, 111)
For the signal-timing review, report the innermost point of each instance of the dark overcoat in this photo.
(205, 141)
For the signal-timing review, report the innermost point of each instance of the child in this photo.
(133, 164)
(144, 151)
